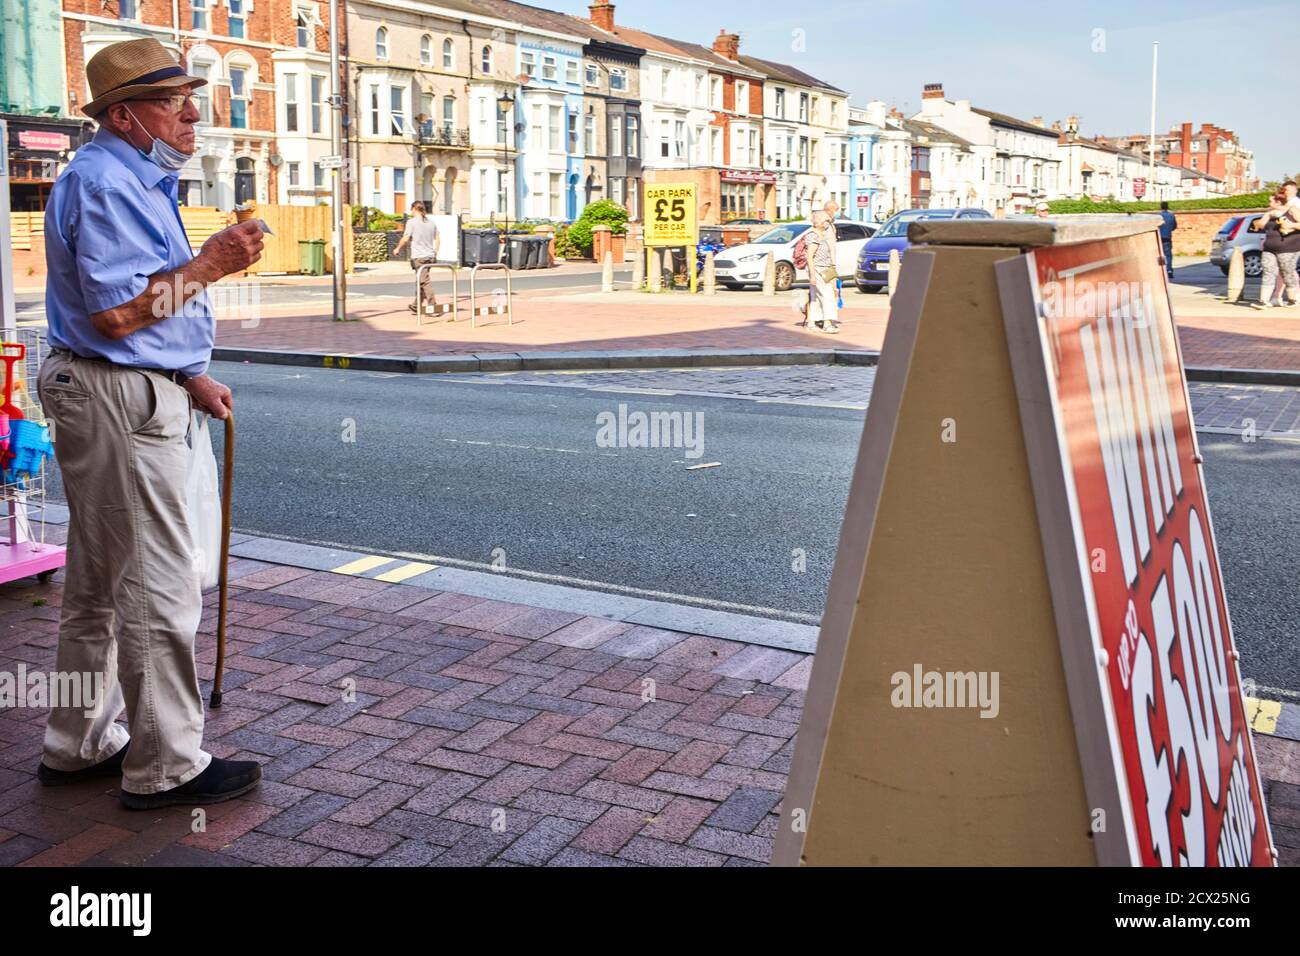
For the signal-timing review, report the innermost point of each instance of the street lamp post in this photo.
(336, 146)
(505, 105)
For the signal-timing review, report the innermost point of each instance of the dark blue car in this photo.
(872, 274)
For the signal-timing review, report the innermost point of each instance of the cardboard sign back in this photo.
(970, 701)
(939, 566)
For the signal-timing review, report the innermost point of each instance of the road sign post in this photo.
(1026, 656)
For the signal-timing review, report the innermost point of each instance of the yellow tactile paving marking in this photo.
(362, 565)
(1262, 715)
(405, 571)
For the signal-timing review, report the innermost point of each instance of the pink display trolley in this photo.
(24, 550)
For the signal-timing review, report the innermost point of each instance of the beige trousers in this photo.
(131, 604)
(823, 306)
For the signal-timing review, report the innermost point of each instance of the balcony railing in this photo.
(441, 134)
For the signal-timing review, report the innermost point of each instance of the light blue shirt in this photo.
(111, 222)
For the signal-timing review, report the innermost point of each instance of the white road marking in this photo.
(499, 444)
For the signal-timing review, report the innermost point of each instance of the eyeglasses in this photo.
(178, 101)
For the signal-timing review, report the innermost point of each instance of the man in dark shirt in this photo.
(1167, 228)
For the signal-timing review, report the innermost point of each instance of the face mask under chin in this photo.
(162, 155)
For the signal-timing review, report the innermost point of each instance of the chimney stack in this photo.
(727, 45)
(932, 91)
(602, 15)
(1037, 121)
(1072, 123)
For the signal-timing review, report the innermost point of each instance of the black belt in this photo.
(172, 375)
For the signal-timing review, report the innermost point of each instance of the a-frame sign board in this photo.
(1026, 656)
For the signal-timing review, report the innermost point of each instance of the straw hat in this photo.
(123, 71)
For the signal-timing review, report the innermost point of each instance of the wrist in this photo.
(203, 270)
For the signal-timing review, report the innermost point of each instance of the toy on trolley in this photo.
(25, 449)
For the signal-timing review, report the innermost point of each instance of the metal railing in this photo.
(438, 309)
(430, 133)
(496, 308)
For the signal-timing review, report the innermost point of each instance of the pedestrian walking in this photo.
(1279, 285)
(1168, 223)
(823, 309)
(131, 331)
(422, 236)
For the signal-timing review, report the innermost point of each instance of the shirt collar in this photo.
(147, 171)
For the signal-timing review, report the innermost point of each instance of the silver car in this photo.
(1236, 234)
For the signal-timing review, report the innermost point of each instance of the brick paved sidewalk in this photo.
(467, 713)
(466, 710)
(1212, 335)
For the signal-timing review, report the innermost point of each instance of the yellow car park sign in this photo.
(670, 214)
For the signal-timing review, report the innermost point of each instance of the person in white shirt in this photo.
(422, 234)
(1289, 188)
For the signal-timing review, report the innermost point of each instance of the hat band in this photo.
(165, 73)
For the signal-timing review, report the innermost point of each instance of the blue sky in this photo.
(1026, 59)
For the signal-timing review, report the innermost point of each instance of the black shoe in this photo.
(110, 767)
(220, 781)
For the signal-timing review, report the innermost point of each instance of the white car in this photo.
(740, 266)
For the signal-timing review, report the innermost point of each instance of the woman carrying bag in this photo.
(1279, 285)
(823, 309)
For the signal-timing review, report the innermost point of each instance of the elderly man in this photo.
(131, 332)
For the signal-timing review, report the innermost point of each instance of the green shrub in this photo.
(1257, 200)
(565, 247)
(378, 221)
(602, 212)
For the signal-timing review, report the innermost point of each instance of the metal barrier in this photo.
(475, 310)
(453, 308)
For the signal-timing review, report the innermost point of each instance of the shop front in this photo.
(39, 148)
(746, 194)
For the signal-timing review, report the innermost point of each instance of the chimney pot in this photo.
(727, 45)
(932, 91)
(602, 15)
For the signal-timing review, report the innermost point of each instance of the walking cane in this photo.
(227, 483)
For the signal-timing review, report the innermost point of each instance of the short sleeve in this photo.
(117, 249)
(409, 231)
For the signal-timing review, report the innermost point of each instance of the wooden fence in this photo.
(288, 223)
(23, 226)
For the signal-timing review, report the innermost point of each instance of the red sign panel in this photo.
(864, 199)
(747, 176)
(38, 139)
(1139, 188)
(1147, 555)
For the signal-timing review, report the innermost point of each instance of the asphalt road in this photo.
(450, 469)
